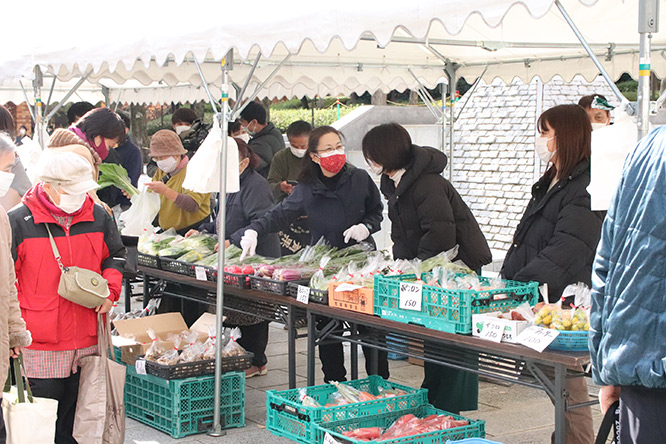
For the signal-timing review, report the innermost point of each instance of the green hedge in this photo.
(282, 118)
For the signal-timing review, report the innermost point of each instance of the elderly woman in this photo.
(13, 335)
(63, 332)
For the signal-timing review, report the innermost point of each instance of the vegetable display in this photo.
(112, 174)
(406, 425)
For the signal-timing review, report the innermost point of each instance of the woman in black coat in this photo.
(343, 206)
(557, 237)
(428, 216)
(253, 199)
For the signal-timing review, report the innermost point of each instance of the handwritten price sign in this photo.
(411, 295)
(303, 294)
(492, 331)
(537, 338)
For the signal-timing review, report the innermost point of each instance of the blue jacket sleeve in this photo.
(278, 217)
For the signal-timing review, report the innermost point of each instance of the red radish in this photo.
(247, 269)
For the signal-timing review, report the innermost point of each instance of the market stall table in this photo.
(506, 362)
(271, 307)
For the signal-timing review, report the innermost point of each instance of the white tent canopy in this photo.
(333, 45)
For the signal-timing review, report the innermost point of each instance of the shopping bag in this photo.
(28, 419)
(203, 169)
(100, 407)
(141, 214)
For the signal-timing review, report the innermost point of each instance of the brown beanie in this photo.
(62, 137)
(166, 143)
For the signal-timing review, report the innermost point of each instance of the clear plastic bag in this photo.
(139, 218)
(306, 400)
(170, 357)
(319, 280)
(156, 349)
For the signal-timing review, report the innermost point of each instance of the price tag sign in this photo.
(492, 330)
(140, 366)
(411, 295)
(328, 439)
(200, 273)
(537, 338)
(303, 294)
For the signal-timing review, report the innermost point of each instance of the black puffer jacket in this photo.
(428, 215)
(557, 237)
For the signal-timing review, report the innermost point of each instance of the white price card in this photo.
(537, 338)
(411, 295)
(200, 273)
(140, 366)
(492, 330)
(303, 294)
(328, 439)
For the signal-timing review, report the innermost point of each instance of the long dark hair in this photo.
(102, 122)
(388, 145)
(573, 135)
(245, 152)
(7, 122)
(309, 169)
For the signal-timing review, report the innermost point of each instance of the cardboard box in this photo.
(357, 298)
(163, 325)
(511, 328)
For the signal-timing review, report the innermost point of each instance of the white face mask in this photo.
(541, 148)
(168, 165)
(296, 152)
(245, 137)
(6, 180)
(596, 126)
(181, 128)
(375, 169)
(22, 132)
(71, 203)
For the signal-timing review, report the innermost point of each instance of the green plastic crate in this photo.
(182, 407)
(475, 429)
(117, 353)
(286, 416)
(449, 310)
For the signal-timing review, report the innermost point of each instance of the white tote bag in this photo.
(28, 419)
(203, 170)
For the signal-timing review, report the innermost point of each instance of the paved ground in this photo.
(513, 414)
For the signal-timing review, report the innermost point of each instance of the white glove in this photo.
(358, 232)
(248, 243)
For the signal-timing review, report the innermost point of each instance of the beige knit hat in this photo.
(166, 143)
(62, 137)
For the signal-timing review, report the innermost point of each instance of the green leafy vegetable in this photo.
(115, 175)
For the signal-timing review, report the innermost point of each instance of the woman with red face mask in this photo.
(343, 206)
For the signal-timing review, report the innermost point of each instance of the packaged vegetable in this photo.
(306, 400)
(318, 280)
(155, 350)
(170, 357)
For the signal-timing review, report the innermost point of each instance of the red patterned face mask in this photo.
(333, 161)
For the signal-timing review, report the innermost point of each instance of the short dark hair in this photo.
(388, 145)
(586, 101)
(78, 110)
(245, 152)
(7, 124)
(299, 128)
(185, 115)
(233, 127)
(102, 122)
(125, 118)
(573, 135)
(252, 111)
(309, 169)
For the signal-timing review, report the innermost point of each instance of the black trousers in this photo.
(332, 358)
(255, 339)
(3, 432)
(642, 415)
(65, 391)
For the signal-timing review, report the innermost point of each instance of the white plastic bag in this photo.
(203, 170)
(29, 422)
(141, 214)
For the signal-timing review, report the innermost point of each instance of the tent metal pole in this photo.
(536, 174)
(241, 93)
(67, 96)
(442, 119)
(589, 51)
(27, 102)
(227, 64)
(37, 84)
(470, 93)
(259, 88)
(644, 86)
(48, 101)
(451, 74)
(425, 96)
(205, 85)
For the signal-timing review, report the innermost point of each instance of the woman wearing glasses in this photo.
(343, 206)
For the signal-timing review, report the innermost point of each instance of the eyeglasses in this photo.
(329, 149)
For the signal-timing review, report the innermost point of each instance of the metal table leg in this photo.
(146, 290)
(312, 331)
(559, 400)
(291, 346)
(128, 295)
(354, 353)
